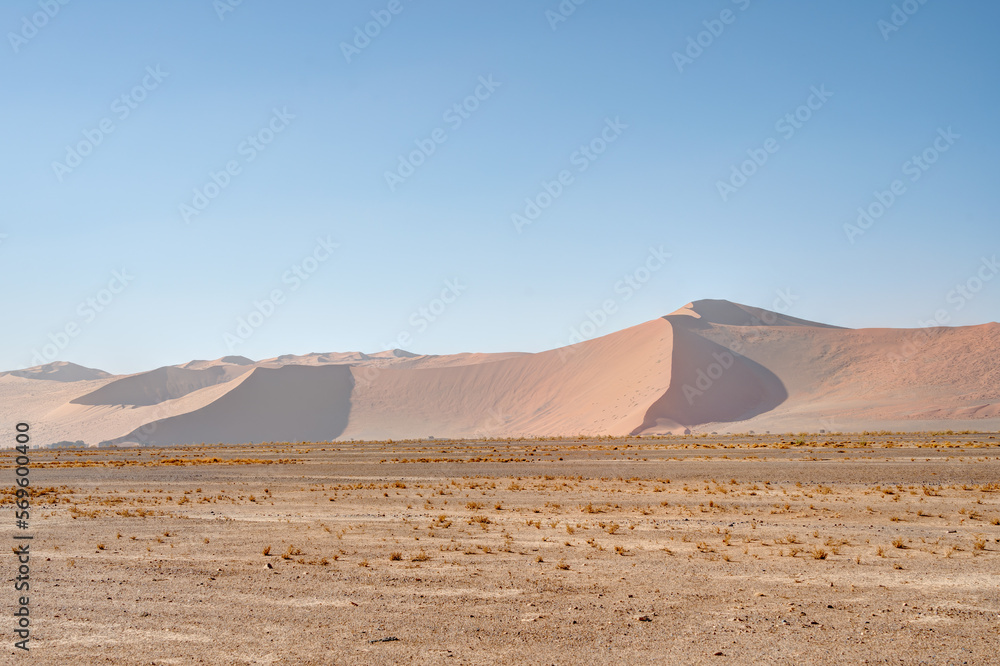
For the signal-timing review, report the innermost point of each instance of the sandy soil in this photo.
(835, 549)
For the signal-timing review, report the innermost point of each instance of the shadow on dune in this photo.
(156, 386)
(710, 383)
(292, 403)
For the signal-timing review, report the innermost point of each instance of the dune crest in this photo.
(727, 313)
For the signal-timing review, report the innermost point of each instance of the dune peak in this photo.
(236, 360)
(728, 313)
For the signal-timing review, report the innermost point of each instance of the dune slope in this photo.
(601, 386)
(156, 386)
(293, 403)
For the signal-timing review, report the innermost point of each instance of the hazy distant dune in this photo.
(60, 371)
(155, 386)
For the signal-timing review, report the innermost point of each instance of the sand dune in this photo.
(709, 366)
(340, 358)
(712, 311)
(601, 386)
(710, 383)
(162, 384)
(60, 371)
(224, 361)
(293, 403)
(875, 378)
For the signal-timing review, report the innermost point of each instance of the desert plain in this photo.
(710, 549)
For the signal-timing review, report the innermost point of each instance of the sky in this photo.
(201, 178)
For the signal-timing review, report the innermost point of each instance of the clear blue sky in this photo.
(554, 86)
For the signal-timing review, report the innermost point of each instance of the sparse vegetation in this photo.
(486, 531)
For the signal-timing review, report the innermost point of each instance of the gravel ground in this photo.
(765, 549)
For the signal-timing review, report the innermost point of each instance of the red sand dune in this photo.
(710, 366)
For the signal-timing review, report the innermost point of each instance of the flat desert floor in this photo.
(698, 550)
